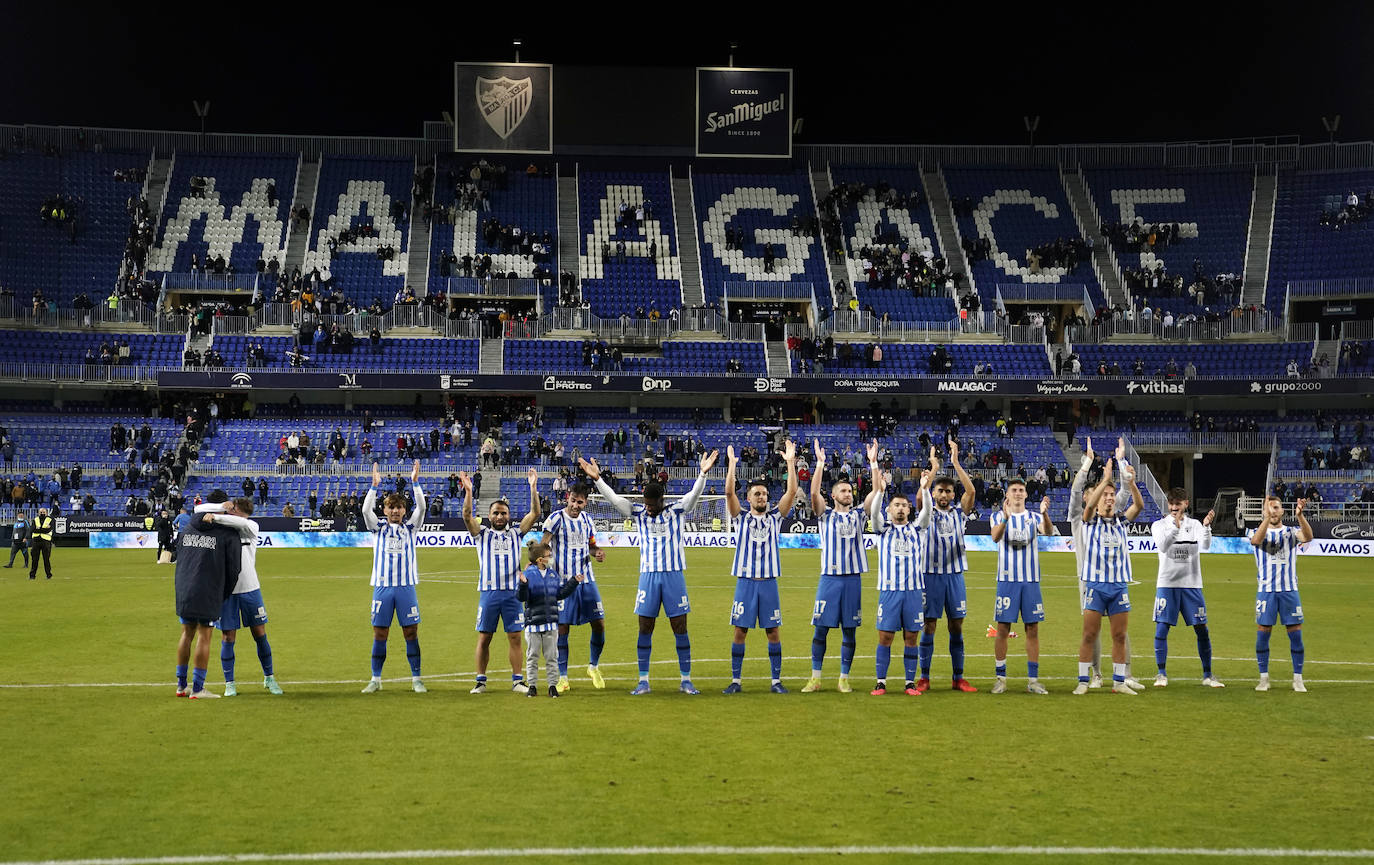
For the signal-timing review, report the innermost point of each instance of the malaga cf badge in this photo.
(504, 102)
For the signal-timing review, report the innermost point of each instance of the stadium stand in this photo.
(1013, 212)
(355, 192)
(614, 284)
(227, 205)
(1232, 359)
(70, 347)
(686, 357)
(396, 353)
(905, 224)
(758, 210)
(1310, 241)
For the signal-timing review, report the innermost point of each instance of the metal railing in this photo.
(197, 281)
(126, 311)
(1147, 477)
(1328, 288)
(1035, 292)
(1244, 322)
(1357, 330)
(1271, 471)
(767, 290)
(469, 286)
(1186, 439)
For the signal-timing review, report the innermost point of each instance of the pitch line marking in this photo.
(715, 851)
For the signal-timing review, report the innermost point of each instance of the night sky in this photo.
(905, 74)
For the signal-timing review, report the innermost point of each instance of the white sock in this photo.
(1118, 671)
(736, 681)
(1084, 669)
(376, 678)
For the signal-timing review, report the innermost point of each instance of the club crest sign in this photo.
(504, 102)
(503, 107)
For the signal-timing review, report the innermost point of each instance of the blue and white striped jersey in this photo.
(842, 542)
(570, 538)
(1018, 554)
(393, 550)
(498, 558)
(1108, 557)
(945, 541)
(660, 538)
(901, 557)
(1277, 560)
(756, 545)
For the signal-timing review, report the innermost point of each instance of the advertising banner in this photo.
(744, 112)
(977, 543)
(503, 107)
(744, 385)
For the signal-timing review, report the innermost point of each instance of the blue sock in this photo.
(594, 650)
(911, 659)
(818, 640)
(927, 649)
(684, 654)
(1162, 646)
(775, 660)
(264, 654)
(413, 655)
(1295, 642)
(1001, 666)
(1204, 650)
(226, 660)
(736, 660)
(956, 653)
(847, 646)
(1033, 669)
(1262, 650)
(882, 660)
(562, 654)
(378, 657)
(198, 679)
(481, 680)
(516, 677)
(643, 648)
(181, 677)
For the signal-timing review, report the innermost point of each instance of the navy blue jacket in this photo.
(208, 562)
(541, 593)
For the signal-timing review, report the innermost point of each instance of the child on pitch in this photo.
(540, 590)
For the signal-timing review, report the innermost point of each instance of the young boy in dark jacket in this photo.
(541, 589)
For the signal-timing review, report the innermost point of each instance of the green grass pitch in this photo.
(99, 759)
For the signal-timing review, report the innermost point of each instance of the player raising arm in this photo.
(945, 565)
(1276, 561)
(757, 565)
(901, 575)
(1108, 577)
(395, 574)
(570, 534)
(662, 563)
(498, 564)
(843, 562)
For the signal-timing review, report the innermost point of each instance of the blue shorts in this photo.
(502, 604)
(242, 611)
(756, 602)
(400, 601)
(204, 623)
(1107, 598)
(946, 596)
(582, 606)
(901, 610)
(838, 602)
(666, 589)
(1271, 607)
(1171, 603)
(1019, 599)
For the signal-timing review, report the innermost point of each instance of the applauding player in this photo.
(946, 562)
(395, 574)
(498, 563)
(570, 534)
(843, 561)
(1108, 576)
(662, 563)
(757, 565)
(901, 575)
(1181, 541)
(1014, 530)
(1276, 558)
